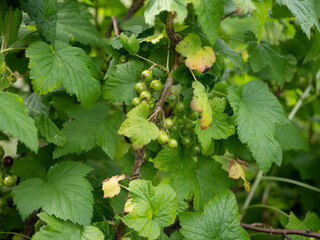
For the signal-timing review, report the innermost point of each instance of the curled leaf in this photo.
(201, 103)
(235, 170)
(128, 207)
(111, 187)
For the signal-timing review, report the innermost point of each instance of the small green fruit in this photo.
(172, 143)
(9, 181)
(186, 141)
(156, 85)
(179, 108)
(169, 123)
(188, 125)
(180, 120)
(140, 87)
(196, 148)
(146, 75)
(194, 115)
(146, 155)
(184, 131)
(136, 101)
(145, 96)
(163, 138)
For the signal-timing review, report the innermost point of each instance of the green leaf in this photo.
(137, 126)
(153, 208)
(66, 194)
(28, 167)
(221, 48)
(220, 220)
(260, 14)
(314, 51)
(57, 229)
(15, 120)
(311, 221)
(37, 104)
(200, 102)
(171, 160)
(11, 25)
(263, 55)
(74, 22)
(257, 113)
(291, 138)
(202, 180)
(209, 14)
(63, 21)
(89, 128)
(305, 13)
(120, 83)
(130, 44)
(155, 7)
(220, 128)
(198, 58)
(64, 65)
(50, 131)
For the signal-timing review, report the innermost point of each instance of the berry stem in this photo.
(156, 64)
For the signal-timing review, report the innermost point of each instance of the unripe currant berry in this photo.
(146, 75)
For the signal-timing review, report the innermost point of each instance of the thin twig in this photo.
(136, 5)
(301, 184)
(114, 24)
(284, 232)
(228, 15)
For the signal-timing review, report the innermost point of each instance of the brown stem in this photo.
(29, 225)
(285, 232)
(175, 38)
(114, 24)
(136, 5)
(228, 15)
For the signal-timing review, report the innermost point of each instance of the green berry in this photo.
(9, 181)
(174, 128)
(179, 108)
(180, 121)
(186, 141)
(145, 95)
(188, 125)
(146, 75)
(196, 148)
(156, 85)
(169, 123)
(163, 138)
(172, 143)
(1, 152)
(136, 101)
(184, 131)
(194, 115)
(140, 87)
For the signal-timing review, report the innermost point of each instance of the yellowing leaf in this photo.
(128, 206)
(111, 187)
(236, 171)
(201, 103)
(198, 58)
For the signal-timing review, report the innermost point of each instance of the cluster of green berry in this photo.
(141, 88)
(7, 161)
(182, 124)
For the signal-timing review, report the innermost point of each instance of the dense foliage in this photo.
(152, 119)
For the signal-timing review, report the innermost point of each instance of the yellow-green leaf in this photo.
(201, 103)
(198, 58)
